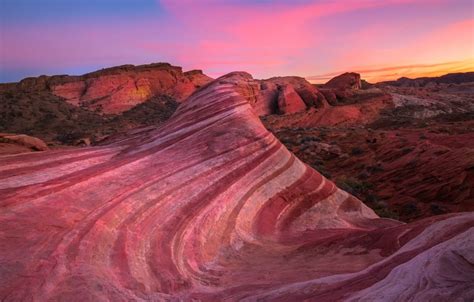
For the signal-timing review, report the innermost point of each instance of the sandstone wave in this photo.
(211, 206)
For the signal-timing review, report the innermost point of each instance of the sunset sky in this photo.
(316, 39)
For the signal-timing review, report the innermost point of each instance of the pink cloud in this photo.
(261, 38)
(279, 34)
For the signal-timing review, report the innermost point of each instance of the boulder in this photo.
(19, 143)
(310, 95)
(289, 101)
(345, 81)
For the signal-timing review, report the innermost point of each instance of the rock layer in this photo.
(210, 206)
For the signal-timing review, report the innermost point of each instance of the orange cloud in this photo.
(386, 53)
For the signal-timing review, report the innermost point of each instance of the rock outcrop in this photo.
(265, 95)
(308, 92)
(210, 206)
(118, 89)
(19, 143)
(447, 79)
(345, 81)
(341, 88)
(289, 101)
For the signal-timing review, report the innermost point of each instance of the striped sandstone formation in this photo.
(211, 206)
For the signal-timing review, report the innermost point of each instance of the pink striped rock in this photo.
(211, 207)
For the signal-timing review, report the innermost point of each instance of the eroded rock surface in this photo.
(210, 206)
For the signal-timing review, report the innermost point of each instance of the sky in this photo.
(316, 39)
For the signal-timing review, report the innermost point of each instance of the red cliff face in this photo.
(210, 206)
(118, 89)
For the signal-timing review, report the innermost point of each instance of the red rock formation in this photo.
(289, 101)
(118, 89)
(210, 206)
(19, 143)
(308, 92)
(348, 80)
(359, 113)
(341, 88)
(264, 95)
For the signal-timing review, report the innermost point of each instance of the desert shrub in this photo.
(440, 152)
(407, 150)
(375, 168)
(357, 151)
(354, 186)
(305, 140)
(8, 95)
(319, 166)
(410, 210)
(386, 212)
(371, 198)
(68, 137)
(436, 209)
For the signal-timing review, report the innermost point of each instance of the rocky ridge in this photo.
(118, 89)
(444, 80)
